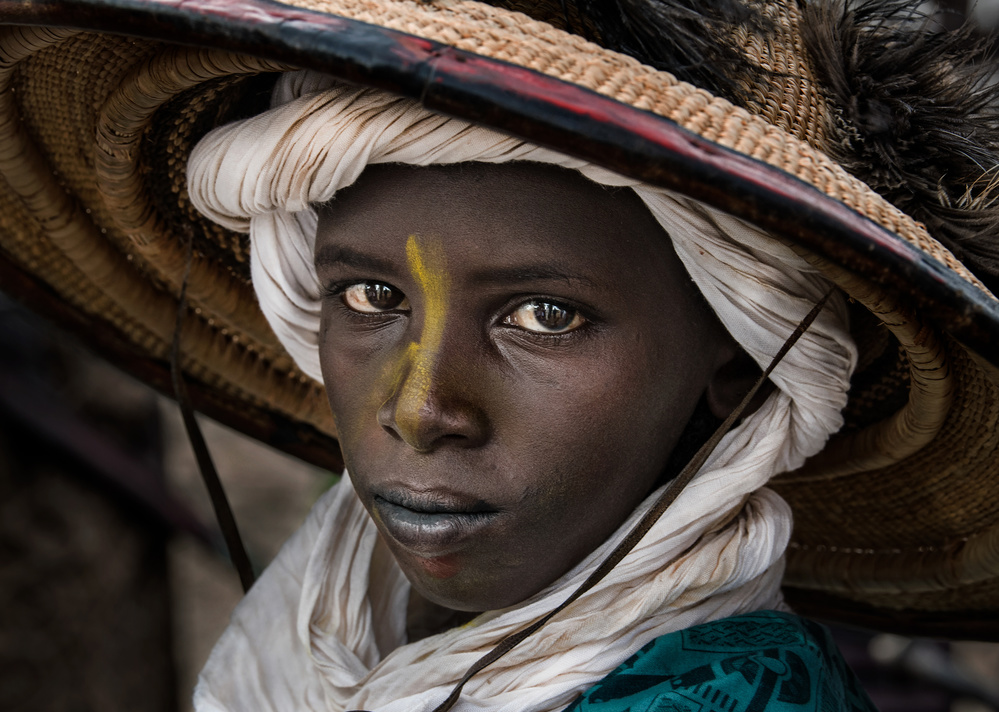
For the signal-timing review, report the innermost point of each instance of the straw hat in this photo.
(796, 125)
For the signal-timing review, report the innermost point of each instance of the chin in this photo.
(444, 582)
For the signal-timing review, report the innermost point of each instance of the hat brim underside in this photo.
(635, 142)
(552, 113)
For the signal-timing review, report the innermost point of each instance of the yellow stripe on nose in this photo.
(429, 269)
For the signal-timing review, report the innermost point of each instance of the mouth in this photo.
(432, 525)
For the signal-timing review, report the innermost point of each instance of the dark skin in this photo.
(512, 353)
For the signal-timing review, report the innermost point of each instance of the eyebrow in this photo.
(340, 256)
(522, 274)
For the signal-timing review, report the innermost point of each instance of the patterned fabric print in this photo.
(767, 660)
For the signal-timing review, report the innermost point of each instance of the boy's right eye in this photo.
(374, 298)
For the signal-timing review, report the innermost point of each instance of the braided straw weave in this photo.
(898, 512)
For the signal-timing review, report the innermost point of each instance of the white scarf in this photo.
(323, 629)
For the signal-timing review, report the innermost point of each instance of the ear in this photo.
(732, 379)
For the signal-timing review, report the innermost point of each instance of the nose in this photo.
(435, 404)
(431, 404)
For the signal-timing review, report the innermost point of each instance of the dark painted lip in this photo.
(432, 524)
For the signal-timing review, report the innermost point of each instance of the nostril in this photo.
(434, 427)
(391, 431)
(439, 417)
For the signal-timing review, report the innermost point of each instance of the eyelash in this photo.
(333, 294)
(336, 290)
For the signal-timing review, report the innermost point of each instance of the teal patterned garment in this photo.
(767, 660)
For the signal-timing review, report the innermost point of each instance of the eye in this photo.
(374, 298)
(543, 317)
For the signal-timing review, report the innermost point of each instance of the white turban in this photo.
(262, 175)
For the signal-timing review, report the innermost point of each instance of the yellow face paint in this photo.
(429, 269)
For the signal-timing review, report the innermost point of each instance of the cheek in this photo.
(358, 379)
(595, 446)
(640, 404)
(615, 415)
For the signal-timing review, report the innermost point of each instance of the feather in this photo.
(918, 118)
(916, 110)
(691, 39)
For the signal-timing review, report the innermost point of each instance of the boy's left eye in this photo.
(543, 317)
(374, 298)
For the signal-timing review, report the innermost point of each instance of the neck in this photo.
(425, 618)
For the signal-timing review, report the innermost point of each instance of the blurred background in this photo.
(114, 584)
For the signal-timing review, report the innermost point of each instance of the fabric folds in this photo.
(323, 629)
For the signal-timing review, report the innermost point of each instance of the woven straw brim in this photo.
(897, 516)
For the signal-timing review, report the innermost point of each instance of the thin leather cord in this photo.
(220, 503)
(667, 498)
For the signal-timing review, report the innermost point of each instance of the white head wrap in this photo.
(334, 586)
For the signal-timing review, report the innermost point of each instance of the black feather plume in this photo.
(691, 39)
(917, 118)
(916, 107)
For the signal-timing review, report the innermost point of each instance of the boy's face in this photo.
(511, 353)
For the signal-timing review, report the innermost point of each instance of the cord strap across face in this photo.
(667, 498)
(242, 563)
